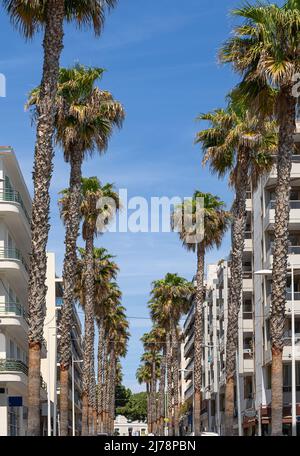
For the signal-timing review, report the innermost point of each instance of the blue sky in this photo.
(161, 63)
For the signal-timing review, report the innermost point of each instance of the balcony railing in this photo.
(13, 254)
(16, 365)
(13, 365)
(15, 197)
(14, 308)
(292, 249)
(294, 204)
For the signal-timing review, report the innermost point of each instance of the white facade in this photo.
(15, 210)
(50, 365)
(123, 427)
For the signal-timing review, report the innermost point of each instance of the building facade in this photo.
(50, 365)
(15, 210)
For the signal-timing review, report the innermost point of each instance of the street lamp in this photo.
(56, 336)
(293, 355)
(73, 393)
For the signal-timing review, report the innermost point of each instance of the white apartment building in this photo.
(15, 209)
(50, 365)
(264, 219)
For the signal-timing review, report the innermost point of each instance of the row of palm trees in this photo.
(244, 141)
(71, 112)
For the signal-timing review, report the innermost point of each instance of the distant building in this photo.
(123, 427)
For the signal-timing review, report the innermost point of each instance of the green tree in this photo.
(123, 395)
(136, 408)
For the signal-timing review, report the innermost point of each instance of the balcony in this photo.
(189, 346)
(15, 370)
(294, 256)
(288, 307)
(272, 177)
(287, 350)
(248, 242)
(189, 392)
(189, 319)
(14, 317)
(294, 223)
(12, 196)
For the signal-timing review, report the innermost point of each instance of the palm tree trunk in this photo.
(175, 379)
(53, 44)
(198, 341)
(111, 388)
(100, 373)
(72, 222)
(153, 395)
(89, 329)
(161, 397)
(236, 271)
(287, 125)
(92, 398)
(105, 385)
(148, 408)
(169, 383)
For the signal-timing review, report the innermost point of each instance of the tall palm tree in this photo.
(84, 122)
(29, 17)
(143, 375)
(170, 299)
(216, 221)
(238, 143)
(264, 50)
(152, 348)
(107, 301)
(92, 192)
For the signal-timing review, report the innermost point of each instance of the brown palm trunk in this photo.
(175, 379)
(85, 412)
(161, 397)
(89, 330)
(72, 222)
(33, 397)
(100, 373)
(236, 271)
(64, 399)
(153, 394)
(287, 126)
(169, 384)
(148, 408)
(198, 340)
(53, 44)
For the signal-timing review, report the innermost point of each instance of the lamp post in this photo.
(49, 381)
(73, 393)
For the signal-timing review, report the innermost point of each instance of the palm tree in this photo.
(264, 50)
(107, 300)
(152, 348)
(170, 299)
(238, 143)
(29, 17)
(118, 335)
(92, 192)
(216, 221)
(84, 122)
(143, 375)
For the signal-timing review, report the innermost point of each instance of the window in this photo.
(18, 353)
(287, 377)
